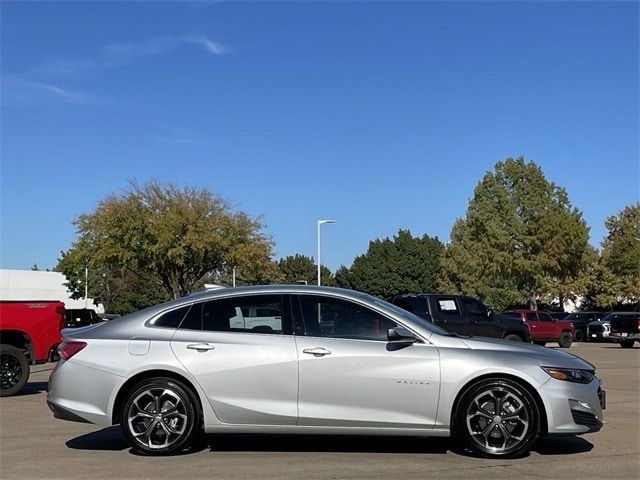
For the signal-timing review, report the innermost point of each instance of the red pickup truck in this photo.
(29, 334)
(544, 328)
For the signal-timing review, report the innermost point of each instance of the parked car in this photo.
(171, 371)
(559, 315)
(581, 320)
(81, 317)
(29, 334)
(625, 328)
(599, 330)
(544, 328)
(463, 315)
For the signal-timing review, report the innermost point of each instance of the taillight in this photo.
(68, 349)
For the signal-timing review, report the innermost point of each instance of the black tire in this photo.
(512, 337)
(539, 342)
(579, 336)
(627, 343)
(489, 437)
(14, 370)
(144, 425)
(565, 340)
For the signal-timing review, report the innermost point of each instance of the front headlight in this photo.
(570, 375)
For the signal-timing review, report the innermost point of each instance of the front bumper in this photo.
(574, 408)
(597, 335)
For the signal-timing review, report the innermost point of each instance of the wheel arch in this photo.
(18, 339)
(137, 378)
(517, 334)
(544, 425)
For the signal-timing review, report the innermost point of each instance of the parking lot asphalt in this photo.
(33, 444)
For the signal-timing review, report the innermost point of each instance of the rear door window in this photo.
(247, 314)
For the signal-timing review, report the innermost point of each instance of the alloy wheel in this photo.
(10, 371)
(158, 418)
(498, 420)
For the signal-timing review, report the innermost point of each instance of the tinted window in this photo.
(193, 319)
(332, 317)
(545, 317)
(447, 306)
(250, 314)
(172, 318)
(473, 307)
(532, 316)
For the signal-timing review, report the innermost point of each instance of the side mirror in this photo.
(400, 335)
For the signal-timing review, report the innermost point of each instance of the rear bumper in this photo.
(618, 336)
(81, 394)
(64, 414)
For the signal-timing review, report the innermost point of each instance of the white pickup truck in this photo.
(257, 318)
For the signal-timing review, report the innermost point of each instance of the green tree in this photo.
(521, 239)
(404, 264)
(300, 268)
(120, 290)
(173, 235)
(621, 251)
(614, 279)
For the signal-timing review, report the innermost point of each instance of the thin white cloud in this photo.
(209, 45)
(69, 96)
(45, 78)
(122, 53)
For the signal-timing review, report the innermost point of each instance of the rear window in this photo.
(172, 318)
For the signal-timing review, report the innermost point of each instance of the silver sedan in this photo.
(314, 360)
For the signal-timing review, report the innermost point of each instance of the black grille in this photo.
(584, 418)
(596, 329)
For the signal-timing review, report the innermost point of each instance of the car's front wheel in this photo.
(579, 336)
(160, 416)
(497, 418)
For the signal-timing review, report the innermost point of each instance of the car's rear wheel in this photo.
(565, 340)
(497, 418)
(160, 416)
(14, 370)
(513, 337)
(627, 343)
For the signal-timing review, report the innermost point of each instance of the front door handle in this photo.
(201, 347)
(317, 351)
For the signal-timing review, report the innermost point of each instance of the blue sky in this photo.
(380, 115)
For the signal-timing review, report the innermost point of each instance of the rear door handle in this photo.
(317, 351)
(201, 347)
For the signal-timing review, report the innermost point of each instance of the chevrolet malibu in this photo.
(314, 360)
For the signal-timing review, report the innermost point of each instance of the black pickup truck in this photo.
(463, 315)
(625, 328)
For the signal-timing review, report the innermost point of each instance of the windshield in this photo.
(409, 316)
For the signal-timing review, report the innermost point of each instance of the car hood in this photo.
(600, 322)
(544, 356)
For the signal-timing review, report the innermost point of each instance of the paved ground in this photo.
(35, 445)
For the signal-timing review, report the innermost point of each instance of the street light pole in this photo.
(320, 222)
(86, 286)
